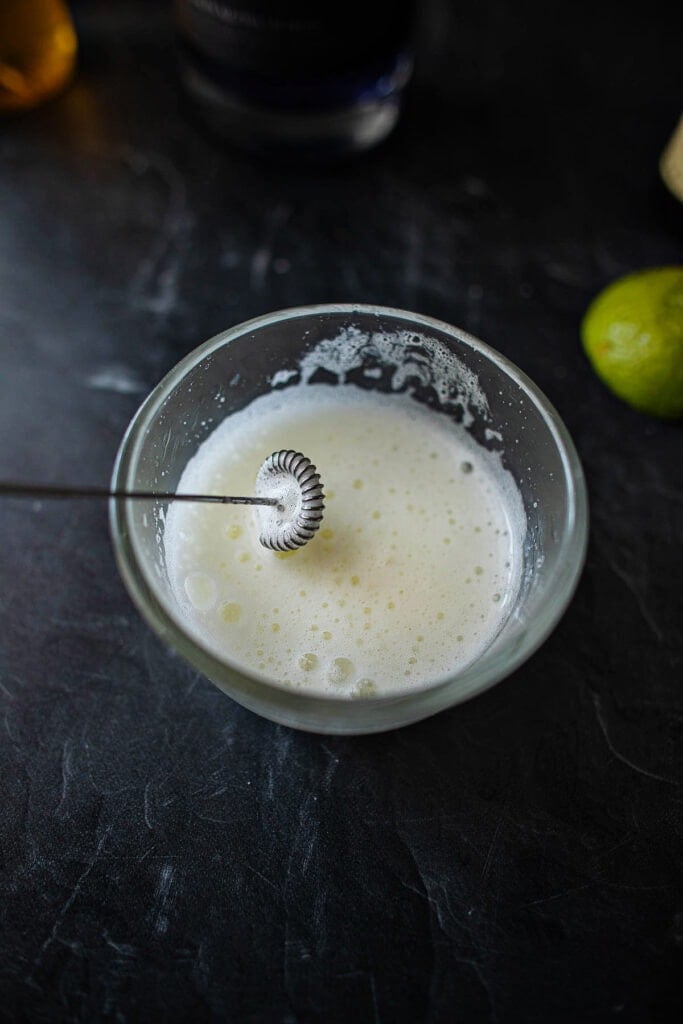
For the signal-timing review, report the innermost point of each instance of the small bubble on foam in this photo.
(234, 531)
(308, 662)
(357, 485)
(355, 580)
(478, 570)
(364, 688)
(340, 670)
(466, 467)
(326, 634)
(232, 612)
(201, 591)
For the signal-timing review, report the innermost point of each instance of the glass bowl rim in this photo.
(141, 586)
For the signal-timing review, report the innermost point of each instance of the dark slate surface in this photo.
(166, 855)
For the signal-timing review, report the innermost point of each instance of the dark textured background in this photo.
(165, 854)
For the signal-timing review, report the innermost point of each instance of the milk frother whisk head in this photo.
(294, 480)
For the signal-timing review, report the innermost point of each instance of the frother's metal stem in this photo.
(14, 489)
(287, 482)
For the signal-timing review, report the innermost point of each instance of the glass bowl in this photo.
(226, 373)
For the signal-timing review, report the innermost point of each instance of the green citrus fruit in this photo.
(633, 335)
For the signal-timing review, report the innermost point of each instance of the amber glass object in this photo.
(37, 51)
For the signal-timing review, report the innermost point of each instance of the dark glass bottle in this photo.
(287, 76)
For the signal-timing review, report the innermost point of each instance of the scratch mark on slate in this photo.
(8, 730)
(373, 990)
(66, 777)
(476, 967)
(145, 802)
(115, 377)
(597, 702)
(559, 895)
(122, 948)
(489, 856)
(155, 283)
(332, 765)
(69, 902)
(263, 254)
(630, 584)
(162, 896)
(263, 878)
(304, 841)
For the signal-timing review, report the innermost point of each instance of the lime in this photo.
(633, 335)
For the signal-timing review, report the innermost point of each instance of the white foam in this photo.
(414, 569)
(411, 357)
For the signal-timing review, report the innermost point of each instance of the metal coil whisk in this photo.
(293, 478)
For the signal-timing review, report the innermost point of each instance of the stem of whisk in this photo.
(12, 489)
(279, 532)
